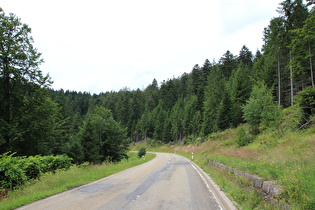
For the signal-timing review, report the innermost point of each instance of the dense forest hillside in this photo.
(238, 88)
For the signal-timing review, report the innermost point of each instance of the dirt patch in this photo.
(3, 194)
(164, 148)
(173, 147)
(187, 148)
(212, 146)
(243, 153)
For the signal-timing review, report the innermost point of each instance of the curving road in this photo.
(167, 182)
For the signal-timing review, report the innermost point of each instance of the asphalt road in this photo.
(167, 182)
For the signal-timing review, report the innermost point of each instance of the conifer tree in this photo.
(213, 98)
(227, 63)
(245, 56)
(294, 13)
(302, 45)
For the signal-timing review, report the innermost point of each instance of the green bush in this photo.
(261, 111)
(52, 163)
(243, 137)
(15, 171)
(32, 166)
(291, 118)
(142, 151)
(11, 171)
(153, 142)
(306, 100)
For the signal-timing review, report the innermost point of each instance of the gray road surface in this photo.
(167, 182)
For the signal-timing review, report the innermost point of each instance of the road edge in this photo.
(220, 196)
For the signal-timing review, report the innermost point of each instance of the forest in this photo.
(248, 88)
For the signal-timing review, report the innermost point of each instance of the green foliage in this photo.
(153, 142)
(39, 129)
(211, 98)
(53, 163)
(223, 118)
(63, 180)
(142, 151)
(306, 100)
(11, 172)
(159, 117)
(215, 95)
(291, 118)
(260, 110)
(29, 118)
(302, 45)
(103, 138)
(286, 159)
(74, 149)
(239, 89)
(16, 170)
(245, 56)
(192, 140)
(33, 166)
(177, 120)
(243, 137)
(227, 63)
(190, 111)
(167, 95)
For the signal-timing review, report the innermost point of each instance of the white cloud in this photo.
(107, 45)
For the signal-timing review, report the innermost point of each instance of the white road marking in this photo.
(205, 183)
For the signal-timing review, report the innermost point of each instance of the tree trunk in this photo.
(311, 64)
(6, 105)
(291, 81)
(279, 82)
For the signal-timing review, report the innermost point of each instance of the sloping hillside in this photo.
(287, 160)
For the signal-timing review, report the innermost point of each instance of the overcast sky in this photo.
(104, 45)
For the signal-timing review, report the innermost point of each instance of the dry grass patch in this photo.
(241, 153)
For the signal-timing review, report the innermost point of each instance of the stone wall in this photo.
(267, 188)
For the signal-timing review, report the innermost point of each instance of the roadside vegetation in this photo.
(142, 151)
(287, 159)
(51, 183)
(252, 112)
(16, 170)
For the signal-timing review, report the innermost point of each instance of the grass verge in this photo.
(287, 159)
(51, 184)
